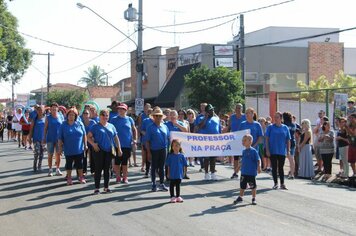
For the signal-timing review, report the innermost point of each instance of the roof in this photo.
(58, 86)
(174, 86)
(103, 92)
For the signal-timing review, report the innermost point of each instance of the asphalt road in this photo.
(34, 204)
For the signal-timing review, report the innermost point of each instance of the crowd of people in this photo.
(105, 141)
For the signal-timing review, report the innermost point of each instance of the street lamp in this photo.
(139, 52)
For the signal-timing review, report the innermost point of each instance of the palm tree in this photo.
(95, 76)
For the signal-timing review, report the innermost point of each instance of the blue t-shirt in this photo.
(38, 129)
(292, 128)
(145, 123)
(123, 126)
(72, 137)
(176, 163)
(199, 119)
(88, 127)
(104, 136)
(255, 129)
(171, 126)
(249, 162)
(157, 136)
(53, 127)
(33, 115)
(112, 115)
(277, 139)
(212, 126)
(236, 122)
(143, 117)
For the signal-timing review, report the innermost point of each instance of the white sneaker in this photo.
(50, 172)
(207, 176)
(58, 172)
(213, 177)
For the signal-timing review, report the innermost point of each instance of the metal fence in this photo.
(303, 104)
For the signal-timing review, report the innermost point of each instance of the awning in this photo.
(174, 86)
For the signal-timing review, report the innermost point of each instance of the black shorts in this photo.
(9, 127)
(25, 132)
(248, 179)
(126, 153)
(237, 158)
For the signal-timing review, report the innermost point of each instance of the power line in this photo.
(300, 38)
(59, 44)
(192, 31)
(90, 60)
(219, 17)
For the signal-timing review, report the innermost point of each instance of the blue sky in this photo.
(62, 22)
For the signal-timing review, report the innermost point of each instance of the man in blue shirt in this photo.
(209, 125)
(157, 141)
(199, 119)
(254, 127)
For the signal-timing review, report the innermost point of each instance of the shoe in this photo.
(39, 168)
(207, 176)
(29, 148)
(58, 172)
(154, 188)
(125, 180)
(142, 169)
(69, 181)
(200, 170)
(145, 176)
(163, 187)
(254, 201)
(191, 165)
(186, 177)
(234, 175)
(283, 187)
(130, 165)
(135, 165)
(179, 199)
(173, 200)
(118, 179)
(50, 173)
(107, 190)
(238, 200)
(275, 186)
(214, 177)
(96, 192)
(291, 177)
(82, 180)
(25, 148)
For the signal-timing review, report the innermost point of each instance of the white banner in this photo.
(211, 145)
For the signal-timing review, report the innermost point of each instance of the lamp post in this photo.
(139, 52)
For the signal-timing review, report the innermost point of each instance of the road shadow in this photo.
(140, 209)
(217, 210)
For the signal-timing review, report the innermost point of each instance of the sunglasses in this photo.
(85, 113)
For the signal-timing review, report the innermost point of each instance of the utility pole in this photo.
(139, 67)
(242, 52)
(12, 93)
(48, 67)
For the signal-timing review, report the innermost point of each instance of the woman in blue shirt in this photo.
(88, 123)
(127, 134)
(277, 148)
(287, 120)
(36, 134)
(53, 122)
(72, 139)
(103, 136)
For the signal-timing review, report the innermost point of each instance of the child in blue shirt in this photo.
(250, 165)
(176, 163)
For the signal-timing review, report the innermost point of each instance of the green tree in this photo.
(340, 81)
(14, 57)
(222, 87)
(94, 76)
(68, 98)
